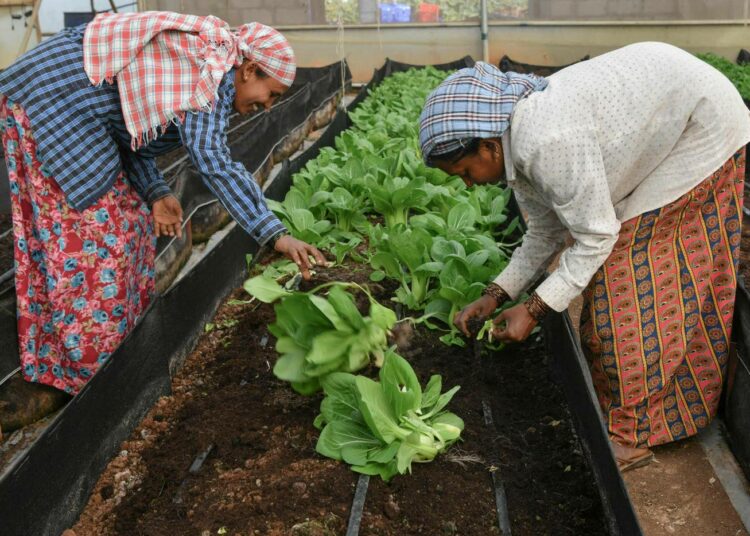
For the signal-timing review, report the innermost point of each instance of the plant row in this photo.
(371, 198)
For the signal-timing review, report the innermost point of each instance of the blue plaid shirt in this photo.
(82, 139)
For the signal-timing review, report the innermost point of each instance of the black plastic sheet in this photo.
(507, 64)
(736, 402)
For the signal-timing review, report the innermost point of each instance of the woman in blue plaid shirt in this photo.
(83, 177)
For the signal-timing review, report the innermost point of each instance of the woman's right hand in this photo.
(299, 252)
(479, 309)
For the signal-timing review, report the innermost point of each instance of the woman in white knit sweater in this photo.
(638, 155)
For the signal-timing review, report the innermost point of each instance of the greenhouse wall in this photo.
(236, 12)
(636, 9)
(540, 43)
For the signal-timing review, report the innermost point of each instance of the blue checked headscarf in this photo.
(476, 102)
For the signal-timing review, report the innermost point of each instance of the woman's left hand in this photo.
(514, 324)
(167, 213)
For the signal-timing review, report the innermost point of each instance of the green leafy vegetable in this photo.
(381, 428)
(317, 335)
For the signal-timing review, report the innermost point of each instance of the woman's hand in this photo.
(514, 324)
(479, 309)
(299, 252)
(167, 214)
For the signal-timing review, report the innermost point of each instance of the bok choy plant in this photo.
(404, 254)
(317, 335)
(381, 428)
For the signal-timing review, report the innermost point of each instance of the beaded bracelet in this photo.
(497, 292)
(536, 307)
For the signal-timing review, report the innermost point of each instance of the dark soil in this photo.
(549, 486)
(532, 446)
(453, 494)
(262, 475)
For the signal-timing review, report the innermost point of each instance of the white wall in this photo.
(51, 14)
(50, 18)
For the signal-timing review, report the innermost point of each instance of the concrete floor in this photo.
(694, 487)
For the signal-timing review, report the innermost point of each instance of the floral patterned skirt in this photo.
(82, 277)
(657, 316)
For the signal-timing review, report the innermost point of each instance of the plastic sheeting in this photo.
(737, 392)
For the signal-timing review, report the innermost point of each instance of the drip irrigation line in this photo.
(501, 502)
(185, 157)
(360, 494)
(7, 276)
(194, 469)
(182, 226)
(7, 289)
(5, 233)
(744, 365)
(358, 506)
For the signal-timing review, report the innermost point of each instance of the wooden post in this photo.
(33, 24)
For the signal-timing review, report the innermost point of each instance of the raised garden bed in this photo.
(263, 476)
(75, 452)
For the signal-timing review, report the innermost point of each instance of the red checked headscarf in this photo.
(167, 64)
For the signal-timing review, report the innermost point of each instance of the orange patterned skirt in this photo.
(657, 316)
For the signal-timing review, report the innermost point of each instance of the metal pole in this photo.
(484, 31)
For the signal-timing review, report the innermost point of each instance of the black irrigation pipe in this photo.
(358, 506)
(501, 502)
(7, 276)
